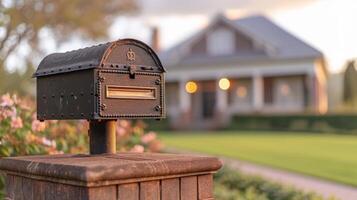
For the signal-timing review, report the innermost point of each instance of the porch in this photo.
(210, 103)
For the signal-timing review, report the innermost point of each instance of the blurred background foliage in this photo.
(350, 85)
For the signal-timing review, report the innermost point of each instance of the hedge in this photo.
(312, 123)
(337, 123)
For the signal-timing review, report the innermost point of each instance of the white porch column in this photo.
(258, 91)
(312, 92)
(184, 97)
(222, 98)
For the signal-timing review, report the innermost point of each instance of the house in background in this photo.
(244, 66)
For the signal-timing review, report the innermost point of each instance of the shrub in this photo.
(336, 123)
(231, 185)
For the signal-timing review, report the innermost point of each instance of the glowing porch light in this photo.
(224, 84)
(191, 87)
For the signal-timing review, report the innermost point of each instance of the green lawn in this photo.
(328, 156)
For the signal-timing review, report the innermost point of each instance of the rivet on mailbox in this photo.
(123, 79)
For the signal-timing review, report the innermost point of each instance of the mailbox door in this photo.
(125, 96)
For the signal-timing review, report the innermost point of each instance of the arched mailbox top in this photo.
(120, 54)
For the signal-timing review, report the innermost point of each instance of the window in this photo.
(221, 42)
(240, 94)
(289, 92)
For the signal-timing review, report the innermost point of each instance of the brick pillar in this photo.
(124, 176)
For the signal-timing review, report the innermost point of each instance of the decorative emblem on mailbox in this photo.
(101, 82)
(130, 55)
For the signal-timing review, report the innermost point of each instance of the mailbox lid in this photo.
(119, 55)
(126, 97)
(81, 59)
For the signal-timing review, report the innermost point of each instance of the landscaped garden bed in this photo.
(232, 185)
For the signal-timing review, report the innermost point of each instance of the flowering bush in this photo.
(131, 136)
(22, 134)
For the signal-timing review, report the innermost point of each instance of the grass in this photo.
(327, 156)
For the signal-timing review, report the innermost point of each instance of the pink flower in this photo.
(12, 112)
(38, 126)
(16, 122)
(155, 146)
(149, 137)
(47, 142)
(6, 100)
(124, 123)
(7, 112)
(121, 131)
(137, 149)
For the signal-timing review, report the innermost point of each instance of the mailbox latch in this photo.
(132, 70)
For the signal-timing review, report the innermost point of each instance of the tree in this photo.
(350, 84)
(22, 21)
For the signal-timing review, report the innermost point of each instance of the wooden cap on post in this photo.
(106, 169)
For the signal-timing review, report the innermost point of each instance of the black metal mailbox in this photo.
(120, 79)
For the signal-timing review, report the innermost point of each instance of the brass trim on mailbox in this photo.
(130, 92)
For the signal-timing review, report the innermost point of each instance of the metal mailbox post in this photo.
(103, 83)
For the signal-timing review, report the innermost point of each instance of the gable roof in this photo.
(278, 43)
(286, 44)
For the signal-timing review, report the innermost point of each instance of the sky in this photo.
(328, 25)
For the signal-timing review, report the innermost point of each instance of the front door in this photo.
(208, 104)
(208, 99)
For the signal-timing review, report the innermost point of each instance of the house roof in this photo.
(286, 44)
(278, 44)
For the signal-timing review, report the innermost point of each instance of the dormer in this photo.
(221, 41)
(221, 38)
